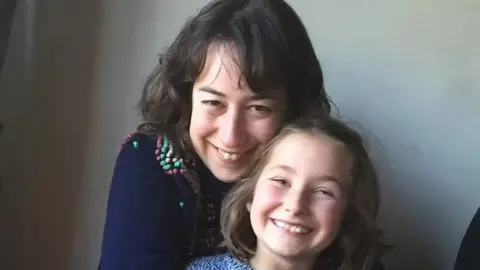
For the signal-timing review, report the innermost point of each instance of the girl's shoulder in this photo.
(222, 261)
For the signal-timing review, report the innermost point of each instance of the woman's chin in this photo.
(228, 176)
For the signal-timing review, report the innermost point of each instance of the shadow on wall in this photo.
(53, 129)
(403, 216)
(7, 11)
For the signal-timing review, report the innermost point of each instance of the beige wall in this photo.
(406, 70)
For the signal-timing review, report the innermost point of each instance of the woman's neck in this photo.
(267, 261)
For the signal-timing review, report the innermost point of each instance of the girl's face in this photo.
(229, 122)
(300, 197)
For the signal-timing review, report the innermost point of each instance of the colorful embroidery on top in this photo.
(127, 139)
(164, 152)
(174, 165)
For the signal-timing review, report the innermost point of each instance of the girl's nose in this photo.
(294, 202)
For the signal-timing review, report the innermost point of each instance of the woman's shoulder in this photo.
(140, 142)
(148, 163)
(149, 213)
(156, 149)
(220, 262)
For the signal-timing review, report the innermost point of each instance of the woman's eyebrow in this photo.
(212, 91)
(255, 96)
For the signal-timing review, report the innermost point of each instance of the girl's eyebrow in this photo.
(329, 178)
(283, 168)
(323, 178)
(332, 179)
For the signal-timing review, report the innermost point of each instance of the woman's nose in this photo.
(232, 130)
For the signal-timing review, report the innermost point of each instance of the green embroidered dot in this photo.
(162, 156)
(181, 204)
(177, 164)
(135, 144)
(167, 167)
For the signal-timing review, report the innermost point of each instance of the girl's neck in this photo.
(268, 261)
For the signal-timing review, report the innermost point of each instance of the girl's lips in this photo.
(296, 228)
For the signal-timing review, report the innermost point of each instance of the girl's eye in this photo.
(260, 110)
(324, 192)
(280, 181)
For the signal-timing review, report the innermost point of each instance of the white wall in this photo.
(408, 71)
(402, 69)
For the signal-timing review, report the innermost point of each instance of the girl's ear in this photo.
(249, 206)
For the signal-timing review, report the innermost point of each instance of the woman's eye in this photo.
(261, 110)
(213, 107)
(212, 103)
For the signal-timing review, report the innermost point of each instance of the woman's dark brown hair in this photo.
(273, 50)
(358, 244)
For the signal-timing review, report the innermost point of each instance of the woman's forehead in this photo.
(222, 73)
(221, 63)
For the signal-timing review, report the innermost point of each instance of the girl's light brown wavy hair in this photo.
(358, 244)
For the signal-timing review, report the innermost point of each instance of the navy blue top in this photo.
(151, 221)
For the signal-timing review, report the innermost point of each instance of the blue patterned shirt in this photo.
(223, 261)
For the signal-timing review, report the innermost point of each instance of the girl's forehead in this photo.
(312, 156)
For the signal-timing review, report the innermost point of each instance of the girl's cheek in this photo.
(266, 195)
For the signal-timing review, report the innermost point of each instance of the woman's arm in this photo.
(144, 226)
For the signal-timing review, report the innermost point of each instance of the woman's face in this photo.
(229, 122)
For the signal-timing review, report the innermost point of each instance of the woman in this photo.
(236, 73)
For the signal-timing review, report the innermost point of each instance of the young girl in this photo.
(310, 202)
(237, 72)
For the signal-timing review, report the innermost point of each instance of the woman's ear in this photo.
(249, 206)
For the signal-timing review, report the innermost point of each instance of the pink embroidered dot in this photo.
(126, 139)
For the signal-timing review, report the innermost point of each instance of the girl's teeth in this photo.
(293, 229)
